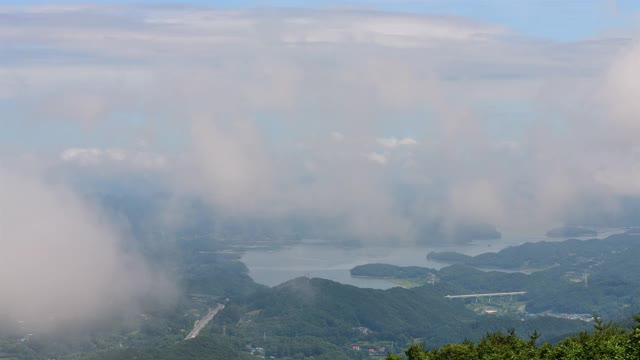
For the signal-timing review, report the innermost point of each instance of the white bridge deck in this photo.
(485, 295)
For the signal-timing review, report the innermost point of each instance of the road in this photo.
(200, 324)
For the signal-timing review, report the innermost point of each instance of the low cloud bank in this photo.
(389, 122)
(61, 261)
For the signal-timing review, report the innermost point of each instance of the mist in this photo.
(63, 262)
(384, 125)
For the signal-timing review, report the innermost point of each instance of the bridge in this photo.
(489, 295)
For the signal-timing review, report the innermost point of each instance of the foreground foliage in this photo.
(607, 341)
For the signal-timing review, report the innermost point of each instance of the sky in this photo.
(553, 19)
(560, 20)
(549, 20)
(391, 116)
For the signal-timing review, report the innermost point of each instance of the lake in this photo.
(317, 259)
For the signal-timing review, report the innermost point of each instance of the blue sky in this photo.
(562, 20)
(556, 19)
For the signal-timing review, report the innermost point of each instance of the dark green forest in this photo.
(607, 341)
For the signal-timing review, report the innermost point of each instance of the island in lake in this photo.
(405, 276)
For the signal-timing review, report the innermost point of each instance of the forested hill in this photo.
(569, 277)
(544, 254)
(329, 309)
(336, 314)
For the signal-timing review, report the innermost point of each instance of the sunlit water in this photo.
(314, 259)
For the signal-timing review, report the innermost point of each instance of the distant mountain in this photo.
(448, 257)
(437, 233)
(570, 231)
(599, 212)
(478, 231)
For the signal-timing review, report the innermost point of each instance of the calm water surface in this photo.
(313, 259)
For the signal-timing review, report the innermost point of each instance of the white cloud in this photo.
(377, 158)
(303, 74)
(337, 136)
(113, 156)
(231, 166)
(402, 31)
(393, 142)
(621, 90)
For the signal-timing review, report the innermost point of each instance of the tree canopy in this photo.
(606, 341)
